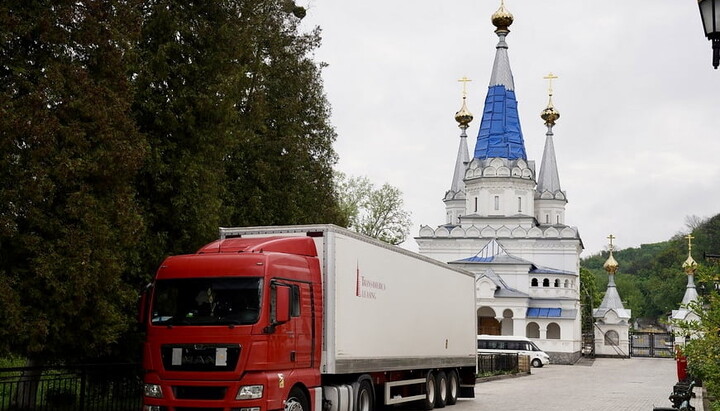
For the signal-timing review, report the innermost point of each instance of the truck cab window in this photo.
(207, 301)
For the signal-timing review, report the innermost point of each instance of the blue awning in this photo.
(533, 312)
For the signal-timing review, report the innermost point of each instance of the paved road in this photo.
(635, 384)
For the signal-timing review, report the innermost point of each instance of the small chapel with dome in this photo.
(505, 222)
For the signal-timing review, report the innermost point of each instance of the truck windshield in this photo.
(207, 301)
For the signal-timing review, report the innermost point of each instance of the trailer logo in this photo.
(366, 287)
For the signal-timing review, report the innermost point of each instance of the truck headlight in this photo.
(152, 390)
(249, 392)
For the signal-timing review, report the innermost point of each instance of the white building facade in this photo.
(506, 223)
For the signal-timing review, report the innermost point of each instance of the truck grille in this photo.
(200, 357)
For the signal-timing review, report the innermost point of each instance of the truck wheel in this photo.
(453, 387)
(296, 401)
(537, 363)
(364, 400)
(430, 391)
(442, 389)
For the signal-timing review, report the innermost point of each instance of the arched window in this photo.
(612, 338)
(557, 283)
(546, 282)
(532, 330)
(567, 283)
(553, 331)
(534, 282)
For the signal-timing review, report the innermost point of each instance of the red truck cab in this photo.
(235, 327)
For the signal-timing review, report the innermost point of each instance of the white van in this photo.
(508, 344)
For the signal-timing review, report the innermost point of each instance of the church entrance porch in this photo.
(486, 322)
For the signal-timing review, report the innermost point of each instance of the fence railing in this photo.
(495, 363)
(98, 387)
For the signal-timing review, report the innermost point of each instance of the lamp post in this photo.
(710, 14)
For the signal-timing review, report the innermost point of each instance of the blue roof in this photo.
(533, 312)
(500, 134)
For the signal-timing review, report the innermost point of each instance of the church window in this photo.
(553, 331)
(532, 330)
(558, 219)
(476, 204)
(497, 202)
(534, 282)
(546, 282)
(557, 283)
(547, 218)
(567, 283)
(519, 204)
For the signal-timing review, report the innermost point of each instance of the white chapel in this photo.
(506, 223)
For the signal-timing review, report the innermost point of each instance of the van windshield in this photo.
(207, 301)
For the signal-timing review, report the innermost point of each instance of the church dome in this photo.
(550, 115)
(502, 19)
(464, 116)
(689, 265)
(611, 265)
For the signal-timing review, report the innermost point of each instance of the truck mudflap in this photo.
(467, 391)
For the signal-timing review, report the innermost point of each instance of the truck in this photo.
(306, 318)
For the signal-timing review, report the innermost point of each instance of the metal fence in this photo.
(494, 363)
(101, 387)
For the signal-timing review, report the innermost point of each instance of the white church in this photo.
(506, 223)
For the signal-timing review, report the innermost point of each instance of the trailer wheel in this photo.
(296, 401)
(430, 391)
(364, 400)
(442, 389)
(453, 387)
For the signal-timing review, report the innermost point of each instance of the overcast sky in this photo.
(638, 139)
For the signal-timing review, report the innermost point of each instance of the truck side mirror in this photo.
(282, 307)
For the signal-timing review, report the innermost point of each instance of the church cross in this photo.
(464, 80)
(611, 238)
(550, 77)
(689, 238)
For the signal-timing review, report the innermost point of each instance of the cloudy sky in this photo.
(638, 140)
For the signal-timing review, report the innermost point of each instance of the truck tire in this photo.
(453, 387)
(296, 401)
(537, 363)
(441, 385)
(430, 391)
(364, 400)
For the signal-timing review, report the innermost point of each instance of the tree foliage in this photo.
(375, 212)
(69, 221)
(132, 129)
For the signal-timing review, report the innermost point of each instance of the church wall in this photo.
(499, 196)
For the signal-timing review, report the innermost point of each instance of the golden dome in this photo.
(502, 19)
(611, 265)
(689, 265)
(550, 115)
(464, 116)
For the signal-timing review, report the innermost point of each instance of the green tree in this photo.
(69, 222)
(375, 212)
(589, 298)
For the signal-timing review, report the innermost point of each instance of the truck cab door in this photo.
(291, 340)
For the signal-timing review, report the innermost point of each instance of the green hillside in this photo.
(650, 279)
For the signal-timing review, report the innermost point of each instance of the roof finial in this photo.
(690, 266)
(550, 114)
(611, 265)
(464, 116)
(502, 19)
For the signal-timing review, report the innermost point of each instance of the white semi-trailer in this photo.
(340, 322)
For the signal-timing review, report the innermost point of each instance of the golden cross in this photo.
(611, 238)
(550, 77)
(689, 238)
(464, 80)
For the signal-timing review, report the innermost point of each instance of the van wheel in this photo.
(442, 389)
(430, 391)
(537, 363)
(453, 387)
(296, 401)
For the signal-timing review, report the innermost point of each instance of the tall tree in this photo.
(375, 212)
(69, 222)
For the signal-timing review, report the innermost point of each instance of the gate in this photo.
(647, 344)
